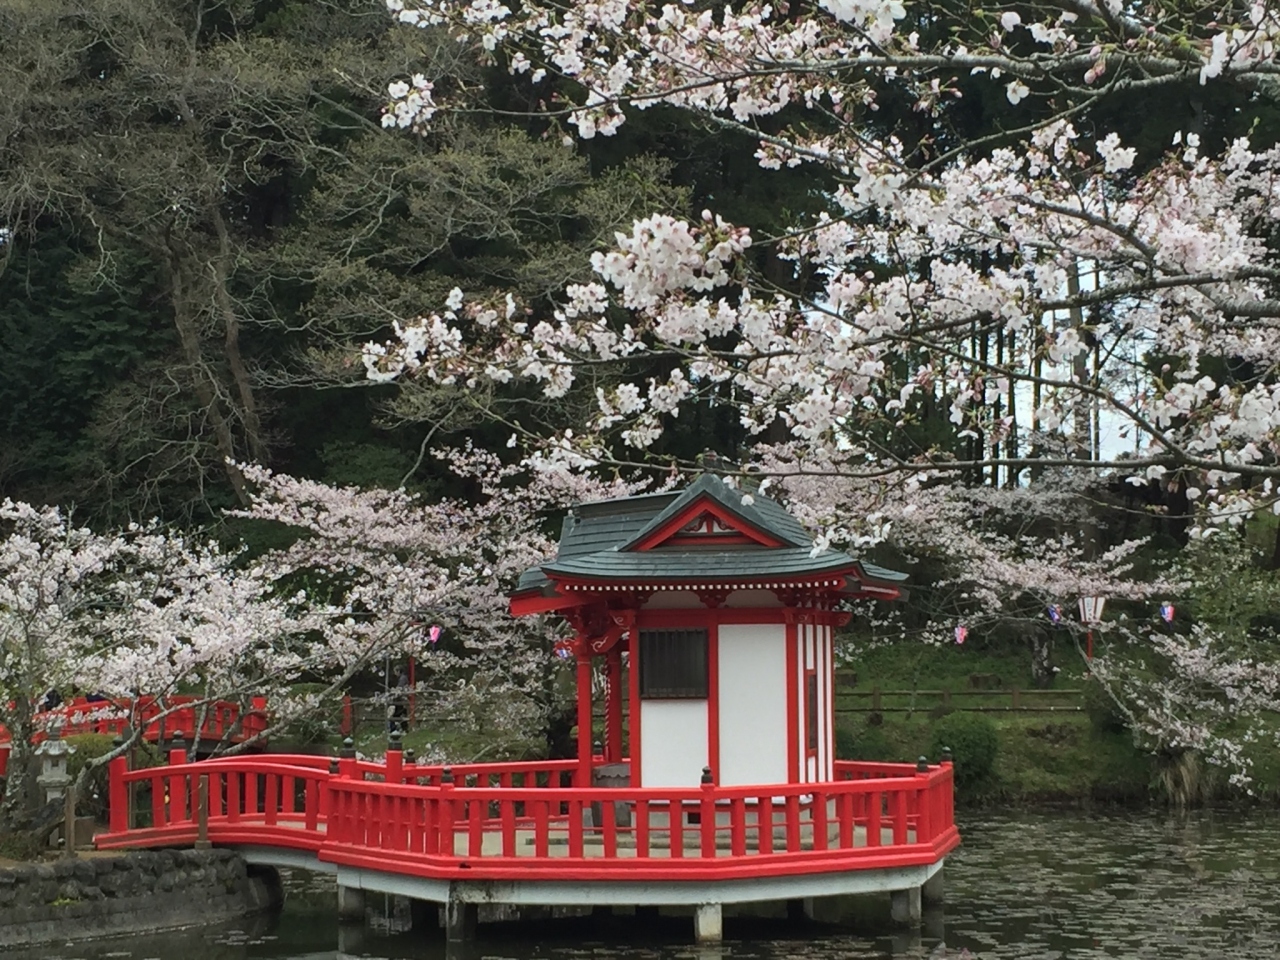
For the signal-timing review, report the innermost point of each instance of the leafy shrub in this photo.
(973, 742)
(1103, 713)
(92, 801)
(867, 743)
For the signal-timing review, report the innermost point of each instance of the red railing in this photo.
(514, 821)
(160, 719)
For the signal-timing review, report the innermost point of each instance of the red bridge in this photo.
(511, 833)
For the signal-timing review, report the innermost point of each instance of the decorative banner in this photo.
(1091, 609)
(1055, 613)
(434, 633)
(961, 633)
(1166, 612)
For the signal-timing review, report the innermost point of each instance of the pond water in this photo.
(1026, 886)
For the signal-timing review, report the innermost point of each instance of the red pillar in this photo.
(584, 716)
(613, 707)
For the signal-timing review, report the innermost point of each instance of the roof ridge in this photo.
(732, 499)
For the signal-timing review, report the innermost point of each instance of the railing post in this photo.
(323, 800)
(178, 784)
(948, 796)
(445, 846)
(924, 815)
(347, 760)
(707, 815)
(394, 760)
(202, 813)
(117, 793)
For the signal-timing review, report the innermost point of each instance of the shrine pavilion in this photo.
(714, 617)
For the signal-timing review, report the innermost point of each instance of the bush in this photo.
(92, 801)
(1103, 713)
(867, 743)
(973, 742)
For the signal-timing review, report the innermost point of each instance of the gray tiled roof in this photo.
(598, 541)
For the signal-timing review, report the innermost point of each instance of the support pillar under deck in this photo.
(350, 904)
(933, 892)
(460, 922)
(708, 923)
(904, 906)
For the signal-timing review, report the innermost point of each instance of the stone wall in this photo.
(137, 892)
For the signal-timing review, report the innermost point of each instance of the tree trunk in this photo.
(231, 325)
(1042, 672)
(202, 378)
(19, 781)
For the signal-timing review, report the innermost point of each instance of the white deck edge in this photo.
(603, 892)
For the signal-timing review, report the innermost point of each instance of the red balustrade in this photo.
(159, 717)
(514, 821)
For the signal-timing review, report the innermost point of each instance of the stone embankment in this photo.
(132, 893)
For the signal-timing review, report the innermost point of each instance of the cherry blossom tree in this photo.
(1037, 282)
(431, 580)
(1107, 291)
(137, 611)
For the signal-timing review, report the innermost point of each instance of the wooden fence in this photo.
(1012, 700)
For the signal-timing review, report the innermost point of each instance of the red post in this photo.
(177, 784)
(347, 760)
(584, 716)
(394, 759)
(445, 845)
(707, 814)
(347, 726)
(924, 818)
(118, 794)
(613, 707)
(1088, 639)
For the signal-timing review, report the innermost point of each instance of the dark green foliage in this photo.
(864, 742)
(92, 799)
(1103, 713)
(973, 742)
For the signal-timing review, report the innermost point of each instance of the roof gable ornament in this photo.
(711, 513)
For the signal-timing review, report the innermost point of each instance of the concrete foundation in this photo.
(460, 922)
(708, 923)
(350, 904)
(905, 907)
(933, 893)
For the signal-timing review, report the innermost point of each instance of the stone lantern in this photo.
(53, 777)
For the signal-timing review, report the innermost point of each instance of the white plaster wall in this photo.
(825, 714)
(673, 744)
(753, 703)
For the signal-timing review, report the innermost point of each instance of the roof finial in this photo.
(711, 462)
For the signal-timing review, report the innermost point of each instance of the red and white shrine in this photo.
(713, 617)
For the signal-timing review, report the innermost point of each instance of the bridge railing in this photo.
(159, 717)
(250, 799)
(500, 821)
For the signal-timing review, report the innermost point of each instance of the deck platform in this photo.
(510, 833)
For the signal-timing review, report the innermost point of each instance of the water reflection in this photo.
(1030, 887)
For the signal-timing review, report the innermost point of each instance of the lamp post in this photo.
(1090, 613)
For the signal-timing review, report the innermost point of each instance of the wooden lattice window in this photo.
(673, 664)
(811, 704)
